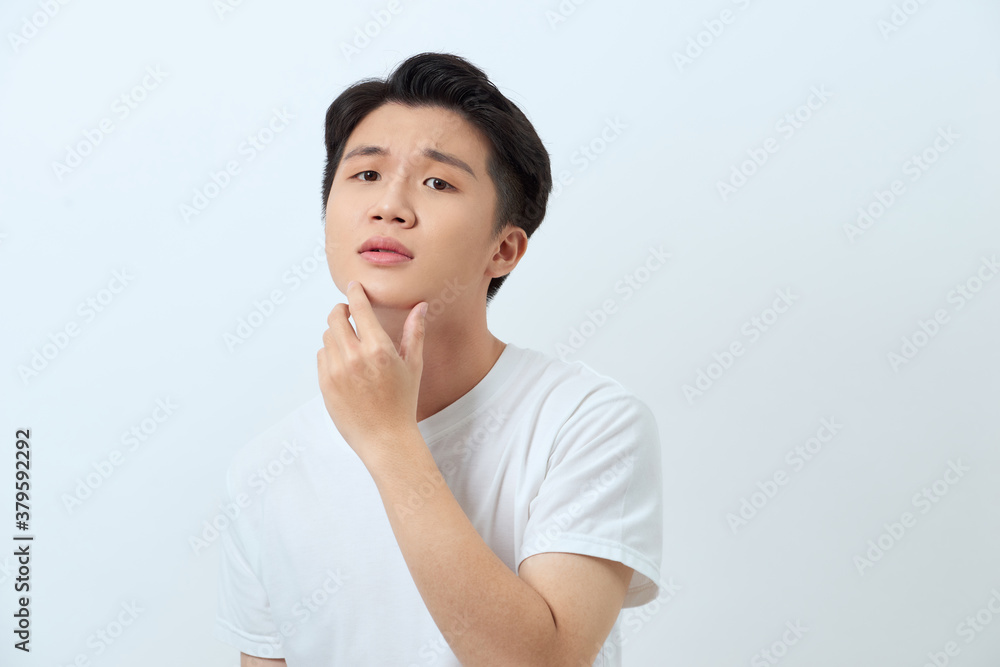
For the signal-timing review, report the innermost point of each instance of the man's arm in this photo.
(585, 595)
(254, 661)
(558, 612)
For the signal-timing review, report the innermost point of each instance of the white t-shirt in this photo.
(543, 455)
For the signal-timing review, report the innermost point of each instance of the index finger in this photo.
(361, 309)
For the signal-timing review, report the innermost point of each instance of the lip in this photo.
(376, 257)
(376, 243)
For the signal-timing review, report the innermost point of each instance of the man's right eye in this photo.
(364, 175)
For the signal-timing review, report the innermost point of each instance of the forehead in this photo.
(400, 128)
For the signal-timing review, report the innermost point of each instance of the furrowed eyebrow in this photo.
(430, 153)
(366, 150)
(445, 158)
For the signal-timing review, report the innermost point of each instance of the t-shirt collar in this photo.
(503, 370)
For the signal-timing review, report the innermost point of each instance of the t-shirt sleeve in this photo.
(602, 493)
(243, 614)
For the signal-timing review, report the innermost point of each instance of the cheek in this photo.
(337, 247)
(463, 260)
(337, 229)
(334, 244)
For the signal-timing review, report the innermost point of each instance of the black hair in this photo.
(518, 163)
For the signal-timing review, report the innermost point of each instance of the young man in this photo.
(446, 498)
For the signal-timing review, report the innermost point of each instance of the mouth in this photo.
(381, 256)
(378, 246)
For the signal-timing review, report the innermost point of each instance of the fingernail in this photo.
(351, 283)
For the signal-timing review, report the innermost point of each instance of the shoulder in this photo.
(582, 401)
(576, 389)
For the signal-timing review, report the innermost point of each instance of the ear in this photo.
(510, 247)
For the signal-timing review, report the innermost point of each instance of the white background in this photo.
(686, 126)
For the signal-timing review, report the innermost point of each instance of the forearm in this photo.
(487, 614)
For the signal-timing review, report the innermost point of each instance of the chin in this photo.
(395, 304)
(382, 295)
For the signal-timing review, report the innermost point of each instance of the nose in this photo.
(393, 205)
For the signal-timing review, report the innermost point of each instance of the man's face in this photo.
(405, 174)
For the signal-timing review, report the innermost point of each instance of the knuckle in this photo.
(334, 314)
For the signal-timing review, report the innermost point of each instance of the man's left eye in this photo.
(436, 182)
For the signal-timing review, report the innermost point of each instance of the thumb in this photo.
(414, 329)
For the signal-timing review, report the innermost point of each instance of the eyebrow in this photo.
(430, 153)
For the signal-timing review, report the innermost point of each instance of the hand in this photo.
(370, 389)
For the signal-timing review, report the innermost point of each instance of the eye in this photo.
(364, 175)
(435, 182)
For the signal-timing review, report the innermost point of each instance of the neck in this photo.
(457, 355)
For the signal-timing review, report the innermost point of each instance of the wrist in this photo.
(396, 451)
